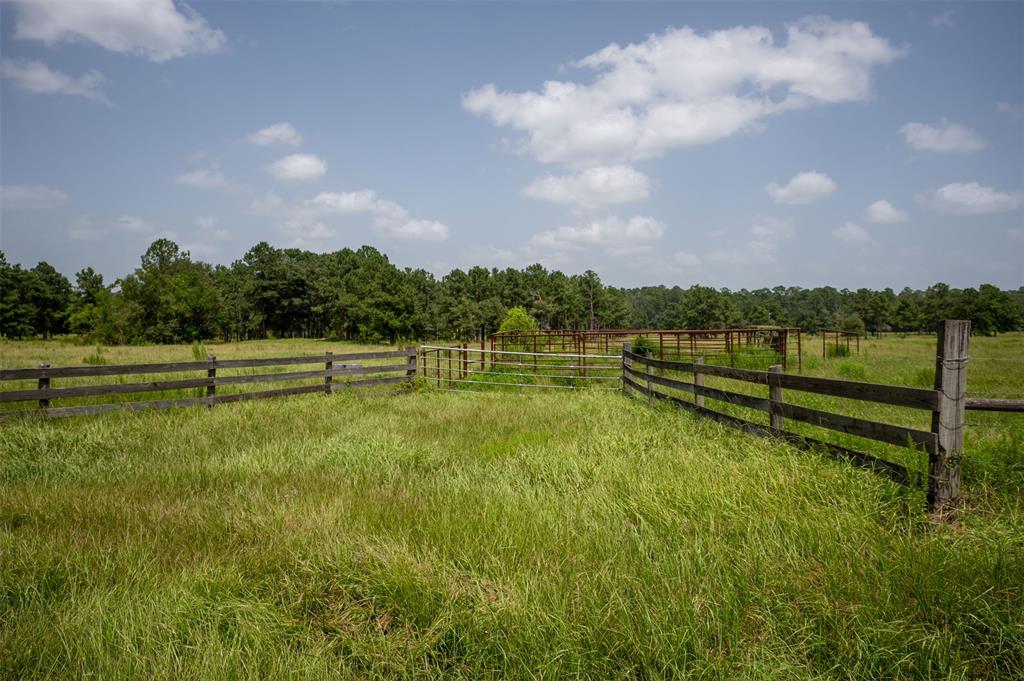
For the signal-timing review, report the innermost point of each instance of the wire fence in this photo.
(465, 369)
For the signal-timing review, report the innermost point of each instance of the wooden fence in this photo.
(947, 402)
(334, 366)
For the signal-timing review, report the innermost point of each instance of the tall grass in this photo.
(475, 536)
(552, 535)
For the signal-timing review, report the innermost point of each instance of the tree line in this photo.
(360, 295)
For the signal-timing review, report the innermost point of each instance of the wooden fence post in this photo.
(211, 373)
(625, 364)
(413, 362)
(43, 384)
(774, 396)
(650, 386)
(948, 420)
(698, 381)
(328, 366)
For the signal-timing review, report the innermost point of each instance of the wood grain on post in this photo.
(948, 420)
(698, 380)
(211, 374)
(328, 367)
(775, 396)
(43, 384)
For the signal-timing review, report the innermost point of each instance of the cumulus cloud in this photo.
(804, 188)
(203, 178)
(592, 188)
(298, 167)
(762, 245)
(969, 198)
(610, 234)
(389, 218)
(682, 88)
(277, 134)
(38, 78)
(882, 212)
(851, 232)
(26, 197)
(306, 233)
(156, 29)
(944, 138)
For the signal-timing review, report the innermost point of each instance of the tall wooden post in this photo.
(211, 373)
(698, 380)
(799, 352)
(43, 384)
(774, 396)
(948, 421)
(625, 363)
(650, 386)
(328, 367)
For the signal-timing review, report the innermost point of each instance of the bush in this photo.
(642, 345)
(518, 319)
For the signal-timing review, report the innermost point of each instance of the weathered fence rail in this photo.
(946, 403)
(342, 365)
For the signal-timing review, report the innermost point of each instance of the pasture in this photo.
(497, 534)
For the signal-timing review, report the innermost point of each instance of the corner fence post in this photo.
(948, 420)
(43, 384)
(412, 362)
(775, 397)
(328, 367)
(698, 381)
(211, 373)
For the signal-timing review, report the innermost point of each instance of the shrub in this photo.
(642, 345)
(518, 319)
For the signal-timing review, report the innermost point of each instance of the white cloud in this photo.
(610, 234)
(155, 29)
(131, 224)
(804, 188)
(279, 133)
(945, 138)
(969, 198)
(943, 19)
(851, 232)
(389, 219)
(422, 230)
(882, 212)
(306, 232)
(25, 197)
(203, 178)
(205, 222)
(298, 167)
(592, 188)
(762, 245)
(84, 229)
(38, 78)
(682, 88)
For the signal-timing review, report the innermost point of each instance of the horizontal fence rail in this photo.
(465, 369)
(335, 366)
(645, 375)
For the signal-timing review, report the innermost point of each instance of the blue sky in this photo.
(732, 144)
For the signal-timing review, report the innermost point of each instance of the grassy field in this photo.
(569, 534)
